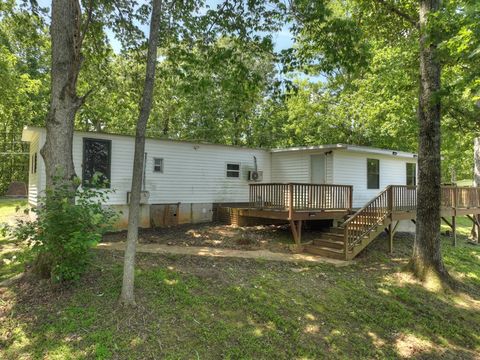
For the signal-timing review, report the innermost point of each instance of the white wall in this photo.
(350, 168)
(295, 166)
(36, 181)
(33, 178)
(196, 173)
(193, 173)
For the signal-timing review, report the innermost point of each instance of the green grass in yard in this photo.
(12, 256)
(8, 207)
(205, 308)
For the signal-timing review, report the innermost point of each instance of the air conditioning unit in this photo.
(144, 195)
(255, 175)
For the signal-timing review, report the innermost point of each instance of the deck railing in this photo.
(399, 198)
(367, 218)
(300, 197)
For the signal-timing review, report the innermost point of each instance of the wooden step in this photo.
(325, 251)
(335, 230)
(333, 244)
(330, 236)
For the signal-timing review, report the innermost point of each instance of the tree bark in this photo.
(66, 38)
(127, 296)
(427, 258)
(476, 182)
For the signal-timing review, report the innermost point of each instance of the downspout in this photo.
(144, 172)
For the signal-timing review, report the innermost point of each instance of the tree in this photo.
(66, 37)
(369, 27)
(24, 59)
(127, 296)
(427, 257)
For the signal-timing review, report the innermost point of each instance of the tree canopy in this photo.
(349, 76)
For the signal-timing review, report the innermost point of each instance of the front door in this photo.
(318, 169)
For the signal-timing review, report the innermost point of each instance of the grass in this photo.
(13, 256)
(205, 308)
(8, 207)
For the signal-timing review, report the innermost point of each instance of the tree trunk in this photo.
(127, 297)
(66, 62)
(427, 258)
(476, 182)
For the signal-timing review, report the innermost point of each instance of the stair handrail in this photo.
(357, 237)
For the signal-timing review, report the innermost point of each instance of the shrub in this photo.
(68, 222)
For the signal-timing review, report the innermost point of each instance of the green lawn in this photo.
(8, 207)
(12, 256)
(204, 308)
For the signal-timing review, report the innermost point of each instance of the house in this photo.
(197, 175)
(190, 182)
(359, 191)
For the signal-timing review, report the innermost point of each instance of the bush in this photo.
(69, 221)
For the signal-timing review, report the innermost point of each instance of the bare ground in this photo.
(264, 237)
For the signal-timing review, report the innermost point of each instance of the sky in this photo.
(282, 39)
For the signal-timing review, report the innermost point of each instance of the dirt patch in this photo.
(265, 237)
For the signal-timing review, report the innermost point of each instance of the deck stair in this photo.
(357, 231)
(383, 213)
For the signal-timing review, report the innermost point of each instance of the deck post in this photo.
(297, 234)
(290, 201)
(390, 238)
(454, 230)
(350, 199)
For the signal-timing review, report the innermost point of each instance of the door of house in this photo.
(317, 169)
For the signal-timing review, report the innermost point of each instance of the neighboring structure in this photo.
(184, 181)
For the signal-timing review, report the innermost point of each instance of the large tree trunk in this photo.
(427, 258)
(66, 62)
(127, 297)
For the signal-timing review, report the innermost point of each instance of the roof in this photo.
(30, 131)
(348, 147)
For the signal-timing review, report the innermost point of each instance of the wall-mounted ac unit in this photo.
(144, 195)
(255, 175)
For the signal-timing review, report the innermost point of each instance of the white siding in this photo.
(36, 181)
(295, 166)
(193, 173)
(196, 173)
(329, 168)
(350, 168)
(33, 179)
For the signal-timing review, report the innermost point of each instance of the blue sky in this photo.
(281, 39)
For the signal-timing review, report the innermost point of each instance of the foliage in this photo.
(63, 232)
(219, 77)
(24, 90)
(377, 97)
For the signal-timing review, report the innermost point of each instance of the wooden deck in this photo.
(297, 203)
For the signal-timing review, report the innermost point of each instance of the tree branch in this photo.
(87, 23)
(400, 13)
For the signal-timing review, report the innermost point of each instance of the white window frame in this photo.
(162, 165)
(414, 173)
(237, 171)
(378, 174)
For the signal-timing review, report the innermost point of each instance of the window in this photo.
(34, 164)
(373, 174)
(158, 165)
(411, 174)
(96, 160)
(233, 170)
